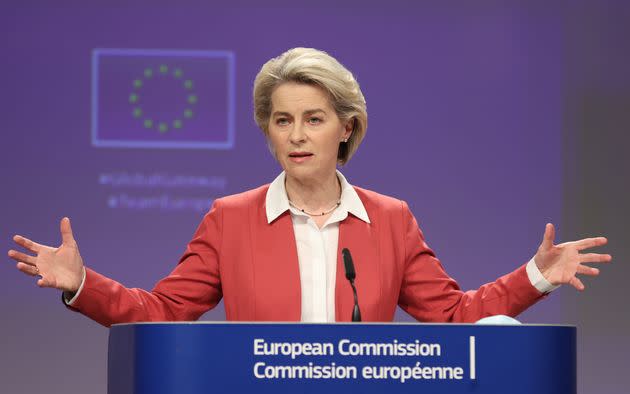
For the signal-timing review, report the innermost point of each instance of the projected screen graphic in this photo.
(133, 145)
(162, 99)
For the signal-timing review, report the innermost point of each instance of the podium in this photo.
(207, 357)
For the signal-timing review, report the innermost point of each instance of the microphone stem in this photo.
(356, 312)
(354, 291)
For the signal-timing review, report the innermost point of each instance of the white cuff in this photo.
(537, 279)
(71, 301)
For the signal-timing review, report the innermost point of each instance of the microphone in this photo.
(350, 275)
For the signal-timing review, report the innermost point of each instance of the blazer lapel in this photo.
(276, 271)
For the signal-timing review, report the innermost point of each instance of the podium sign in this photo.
(191, 358)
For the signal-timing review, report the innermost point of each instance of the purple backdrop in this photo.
(465, 123)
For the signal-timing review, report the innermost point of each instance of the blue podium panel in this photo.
(191, 358)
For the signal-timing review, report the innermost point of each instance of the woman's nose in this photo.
(297, 134)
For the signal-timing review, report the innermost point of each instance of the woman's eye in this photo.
(314, 120)
(282, 121)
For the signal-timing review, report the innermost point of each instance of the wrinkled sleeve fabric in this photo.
(191, 289)
(430, 295)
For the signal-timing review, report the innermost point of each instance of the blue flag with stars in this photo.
(162, 99)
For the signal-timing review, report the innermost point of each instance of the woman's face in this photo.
(305, 132)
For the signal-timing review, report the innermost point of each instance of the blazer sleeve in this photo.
(191, 289)
(430, 295)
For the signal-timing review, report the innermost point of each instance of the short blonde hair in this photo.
(314, 67)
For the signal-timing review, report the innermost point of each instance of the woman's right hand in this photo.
(60, 268)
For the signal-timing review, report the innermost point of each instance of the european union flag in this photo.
(145, 98)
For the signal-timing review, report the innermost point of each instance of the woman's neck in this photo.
(314, 196)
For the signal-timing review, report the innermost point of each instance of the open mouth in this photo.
(300, 157)
(300, 154)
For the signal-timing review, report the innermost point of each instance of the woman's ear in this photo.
(348, 129)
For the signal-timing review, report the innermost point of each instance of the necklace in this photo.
(316, 214)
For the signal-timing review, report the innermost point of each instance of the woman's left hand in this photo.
(560, 263)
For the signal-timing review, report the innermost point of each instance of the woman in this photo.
(273, 253)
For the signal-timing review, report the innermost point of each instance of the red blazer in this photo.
(253, 265)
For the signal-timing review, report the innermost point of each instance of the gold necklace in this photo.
(316, 214)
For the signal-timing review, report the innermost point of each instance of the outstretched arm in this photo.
(192, 288)
(429, 294)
